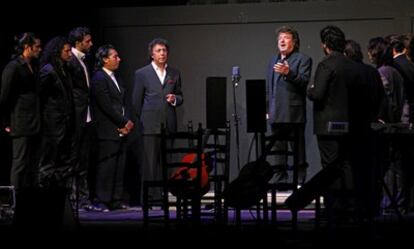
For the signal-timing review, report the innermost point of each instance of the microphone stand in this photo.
(236, 81)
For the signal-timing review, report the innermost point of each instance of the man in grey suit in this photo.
(288, 75)
(155, 96)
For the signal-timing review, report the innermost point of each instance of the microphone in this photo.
(235, 76)
(282, 61)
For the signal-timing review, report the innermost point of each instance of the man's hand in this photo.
(126, 129)
(170, 98)
(282, 68)
(129, 125)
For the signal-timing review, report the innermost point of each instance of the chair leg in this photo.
(265, 209)
(238, 217)
(166, 207)
(294, 220)
(318, 212)
(273, 206)
(145, 206)
(179, 212)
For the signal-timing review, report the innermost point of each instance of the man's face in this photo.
(159, 54)
(285, 43)
(85, 45)
(34, 50)
(112, 61)
(66, 53)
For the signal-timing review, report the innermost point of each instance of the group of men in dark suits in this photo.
(66, 119)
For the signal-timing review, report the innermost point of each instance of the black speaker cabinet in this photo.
(216, 102)
(256, 105)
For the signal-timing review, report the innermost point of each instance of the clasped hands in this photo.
(126, 129)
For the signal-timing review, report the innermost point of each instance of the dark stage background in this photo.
(207, 40)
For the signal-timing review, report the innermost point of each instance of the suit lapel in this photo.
(112, 84)
(154, 75)
(168, 78)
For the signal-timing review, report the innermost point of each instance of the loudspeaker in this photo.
(256, 105)
(216, 102)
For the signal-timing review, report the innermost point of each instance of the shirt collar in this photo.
(397, 55)
(156, 68)
(80, 55)
(109, 72)
(21, 60)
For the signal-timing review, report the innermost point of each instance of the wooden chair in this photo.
(217, 149)
(180, 176)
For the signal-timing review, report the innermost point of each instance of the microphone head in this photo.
(236, 71)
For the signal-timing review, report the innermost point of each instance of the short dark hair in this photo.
(157, 41)
(23, 39)
(353, 51)
(78, 34)
(294, 33)
(398, 42)
(380, 51)
(101, 53)
(333, 37)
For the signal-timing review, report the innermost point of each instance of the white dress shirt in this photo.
(81, 56)
(161, 74)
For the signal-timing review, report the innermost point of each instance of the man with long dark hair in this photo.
(19, 102)
(58, 155)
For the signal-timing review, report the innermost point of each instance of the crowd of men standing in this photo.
(69, 123)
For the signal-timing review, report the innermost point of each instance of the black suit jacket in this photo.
(329, 91)
(56, 102)
(81, 91)
(19, 99)
(148, 99)
(366, 98)
(287, 98)
(108, 105)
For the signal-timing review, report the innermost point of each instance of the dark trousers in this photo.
(23, 173)
(110, 171)
(286, 128)
(58, 160)
(334, 152)
(83, 181)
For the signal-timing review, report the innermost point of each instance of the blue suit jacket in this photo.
(149, 101)
(287, 98)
